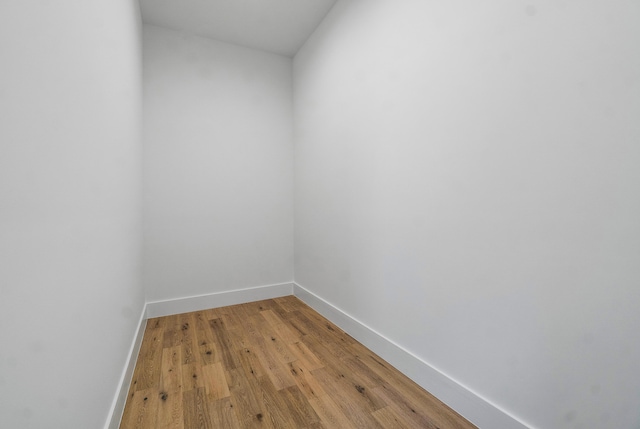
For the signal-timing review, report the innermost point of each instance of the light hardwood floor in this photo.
(270, 364)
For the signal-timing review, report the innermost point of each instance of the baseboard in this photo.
(117, 407)
(219, 299)
(464, 401)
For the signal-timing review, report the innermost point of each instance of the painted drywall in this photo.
(218, 166)
(70, 149)
(467, 185)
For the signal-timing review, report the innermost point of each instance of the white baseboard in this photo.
(117, 407)
(464, 401)
(219, 299)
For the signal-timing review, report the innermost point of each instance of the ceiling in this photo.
(278, 26)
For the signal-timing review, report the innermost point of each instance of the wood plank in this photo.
(215, 382)
(170, 411)
(223, 415)
(317, 425)
(402, 389)
(207, 348)
(330, 413)
(147, 374)
(223, 343)
(420, 414)
(271, 317)
(277, 411)
(156, 323)
(271, 364)
(250, 363)
(274, 342)
(280, 327)
(196, 409)
(390, 420)
(190, 349)
(172, 336)
(142, 410)
(247, 401)
(305, 356)
(274, 369)
(305, 381)
(331, 339)
(352, 403)
(171, 369)
(170, 405)
(302, 413)
(192, 376)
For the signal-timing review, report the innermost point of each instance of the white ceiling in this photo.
(279, 26)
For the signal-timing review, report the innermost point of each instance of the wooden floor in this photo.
(270, 364)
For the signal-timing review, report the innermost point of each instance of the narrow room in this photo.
(396, 197)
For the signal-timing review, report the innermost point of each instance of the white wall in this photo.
(218, 166)
(467, 184)
(70, 292)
